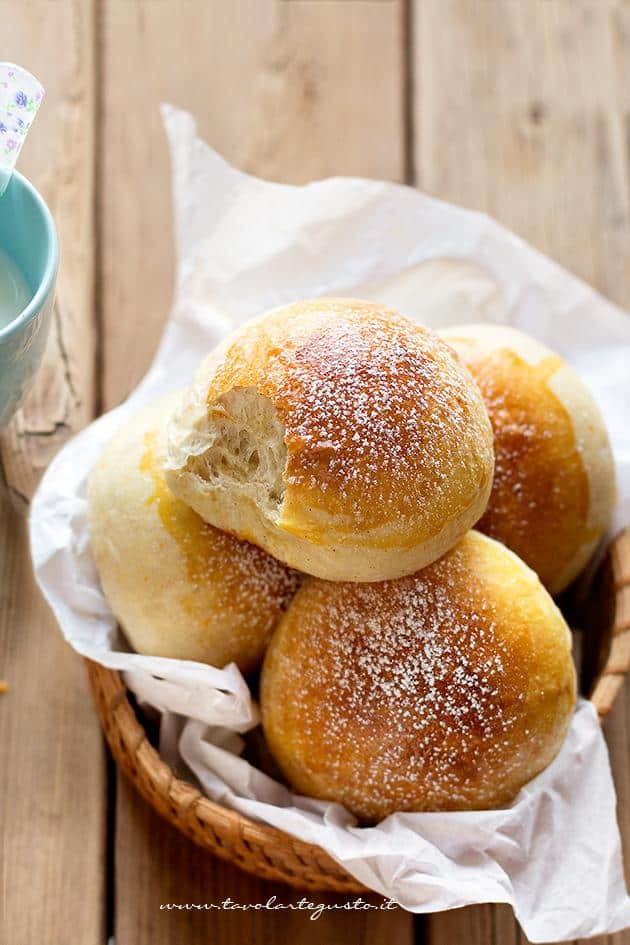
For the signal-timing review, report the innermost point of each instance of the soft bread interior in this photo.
(244, 449)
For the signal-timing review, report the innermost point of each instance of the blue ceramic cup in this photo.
(28, 236)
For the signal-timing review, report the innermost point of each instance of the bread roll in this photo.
(179, 587)
(445, 690)
(339, 436)
(554, 485)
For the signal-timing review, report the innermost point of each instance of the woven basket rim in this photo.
(617, 665)
(263, 849)
(254, 846)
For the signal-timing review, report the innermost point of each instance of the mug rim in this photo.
(47, 280)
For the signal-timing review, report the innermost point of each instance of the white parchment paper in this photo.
(244, 246)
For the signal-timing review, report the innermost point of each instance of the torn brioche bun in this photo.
(445, 690)
(338, 435)
(554, 479)
(179, 587)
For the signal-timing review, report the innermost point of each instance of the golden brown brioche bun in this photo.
(339, 436)
(554, 480)
(445, 690)
(179, 587)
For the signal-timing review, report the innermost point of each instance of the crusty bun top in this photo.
(341, 423)
(553, 489)
(445, 690)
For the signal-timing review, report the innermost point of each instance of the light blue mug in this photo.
(29, 238)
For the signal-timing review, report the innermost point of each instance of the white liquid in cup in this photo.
(14, 292)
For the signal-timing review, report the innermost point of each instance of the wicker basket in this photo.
(268, 852)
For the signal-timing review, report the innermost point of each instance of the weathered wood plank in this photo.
(290, 91)
(59, 158)
(157, 866)
(52, 784)
(521, 110)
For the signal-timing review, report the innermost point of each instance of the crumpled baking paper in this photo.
(245, 245)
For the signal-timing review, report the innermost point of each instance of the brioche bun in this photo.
(554, 481)
(341, 437)
(179, 587)
(445, 690)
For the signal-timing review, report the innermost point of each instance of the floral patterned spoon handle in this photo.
(20, 98)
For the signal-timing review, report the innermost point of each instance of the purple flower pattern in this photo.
(20, 98)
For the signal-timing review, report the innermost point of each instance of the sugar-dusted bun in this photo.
(179, 587)
(339, 436)
(554, 482)
(445, 690)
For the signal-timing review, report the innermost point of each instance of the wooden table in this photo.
(517, 107)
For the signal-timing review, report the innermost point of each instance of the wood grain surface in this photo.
(287, 90)
(291, 94)
(521, 110)
(517, 108)
(52, 763)
(173, 870)
(59, 158)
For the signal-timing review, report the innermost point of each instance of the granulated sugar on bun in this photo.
(341, 437)
(179, 587)
(445, 690)
(554, 483)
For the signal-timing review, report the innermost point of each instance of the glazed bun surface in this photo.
(445, 690)
(179, 587)
(339, 436)
(554, 483)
